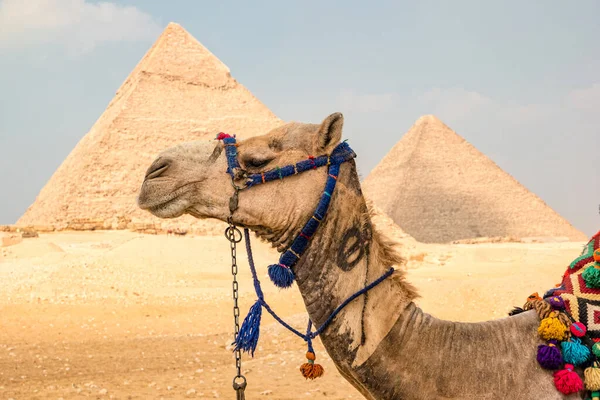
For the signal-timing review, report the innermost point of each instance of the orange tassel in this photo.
(531, 300)
(310, 370)
(534, 296)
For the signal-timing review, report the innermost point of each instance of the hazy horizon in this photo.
(520, 83)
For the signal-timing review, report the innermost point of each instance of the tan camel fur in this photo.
(382, 343)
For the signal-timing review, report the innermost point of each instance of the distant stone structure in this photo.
(178, 92)
(439, 188)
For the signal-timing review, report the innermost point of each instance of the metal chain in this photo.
(234, 235)
(231, 232)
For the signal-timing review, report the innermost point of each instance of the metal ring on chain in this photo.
(236, 233)
(238, 188)
(240, 384)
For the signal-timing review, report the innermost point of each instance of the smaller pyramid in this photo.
(439, 188)
(384, 223)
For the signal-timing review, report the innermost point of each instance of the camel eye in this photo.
(257, 162)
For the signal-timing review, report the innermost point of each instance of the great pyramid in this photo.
(178, 92)
(439, 188)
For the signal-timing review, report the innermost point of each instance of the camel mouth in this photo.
(171, 208)
(163, 199)
(148, 199)
(161, 204)
(157, 193)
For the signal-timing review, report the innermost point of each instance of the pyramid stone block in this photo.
(439, 188)
(10, 239)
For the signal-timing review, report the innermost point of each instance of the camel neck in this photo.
(385, 345)
(345, 255)
(433, 358)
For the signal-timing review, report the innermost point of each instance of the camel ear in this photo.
(330, 132)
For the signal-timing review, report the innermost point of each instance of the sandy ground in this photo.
(128, 316)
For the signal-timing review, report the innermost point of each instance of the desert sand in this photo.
(118, 314)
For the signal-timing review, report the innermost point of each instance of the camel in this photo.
(382, 342)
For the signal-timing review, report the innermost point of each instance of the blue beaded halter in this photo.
(281, 273)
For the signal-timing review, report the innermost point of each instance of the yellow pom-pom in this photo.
(592, 378)
(552, 328)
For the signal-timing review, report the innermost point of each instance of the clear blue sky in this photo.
(519, 80)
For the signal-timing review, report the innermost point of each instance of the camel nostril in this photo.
(157, 168)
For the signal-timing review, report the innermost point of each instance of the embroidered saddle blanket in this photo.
(580, 290)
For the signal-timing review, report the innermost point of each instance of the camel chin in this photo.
(167, 211)
(171, 208)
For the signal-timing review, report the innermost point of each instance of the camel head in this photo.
(192, 178)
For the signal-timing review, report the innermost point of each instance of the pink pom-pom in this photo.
(567, 381)
(578, 329)
(222, 135)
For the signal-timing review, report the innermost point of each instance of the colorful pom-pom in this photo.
(281, 275)
(549, 356)
(567, 381)
(592, 378)
(557, 302)
(597, 255)
(578, 329)
(591, 276)
(310, 370)
(574, 352)
(222, 135)
(552, 328)
(596, 349)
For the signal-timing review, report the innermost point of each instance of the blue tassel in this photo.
(574, 352)
(281, 276)
(247, 337)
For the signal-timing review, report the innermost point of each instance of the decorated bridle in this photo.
(282, 275)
